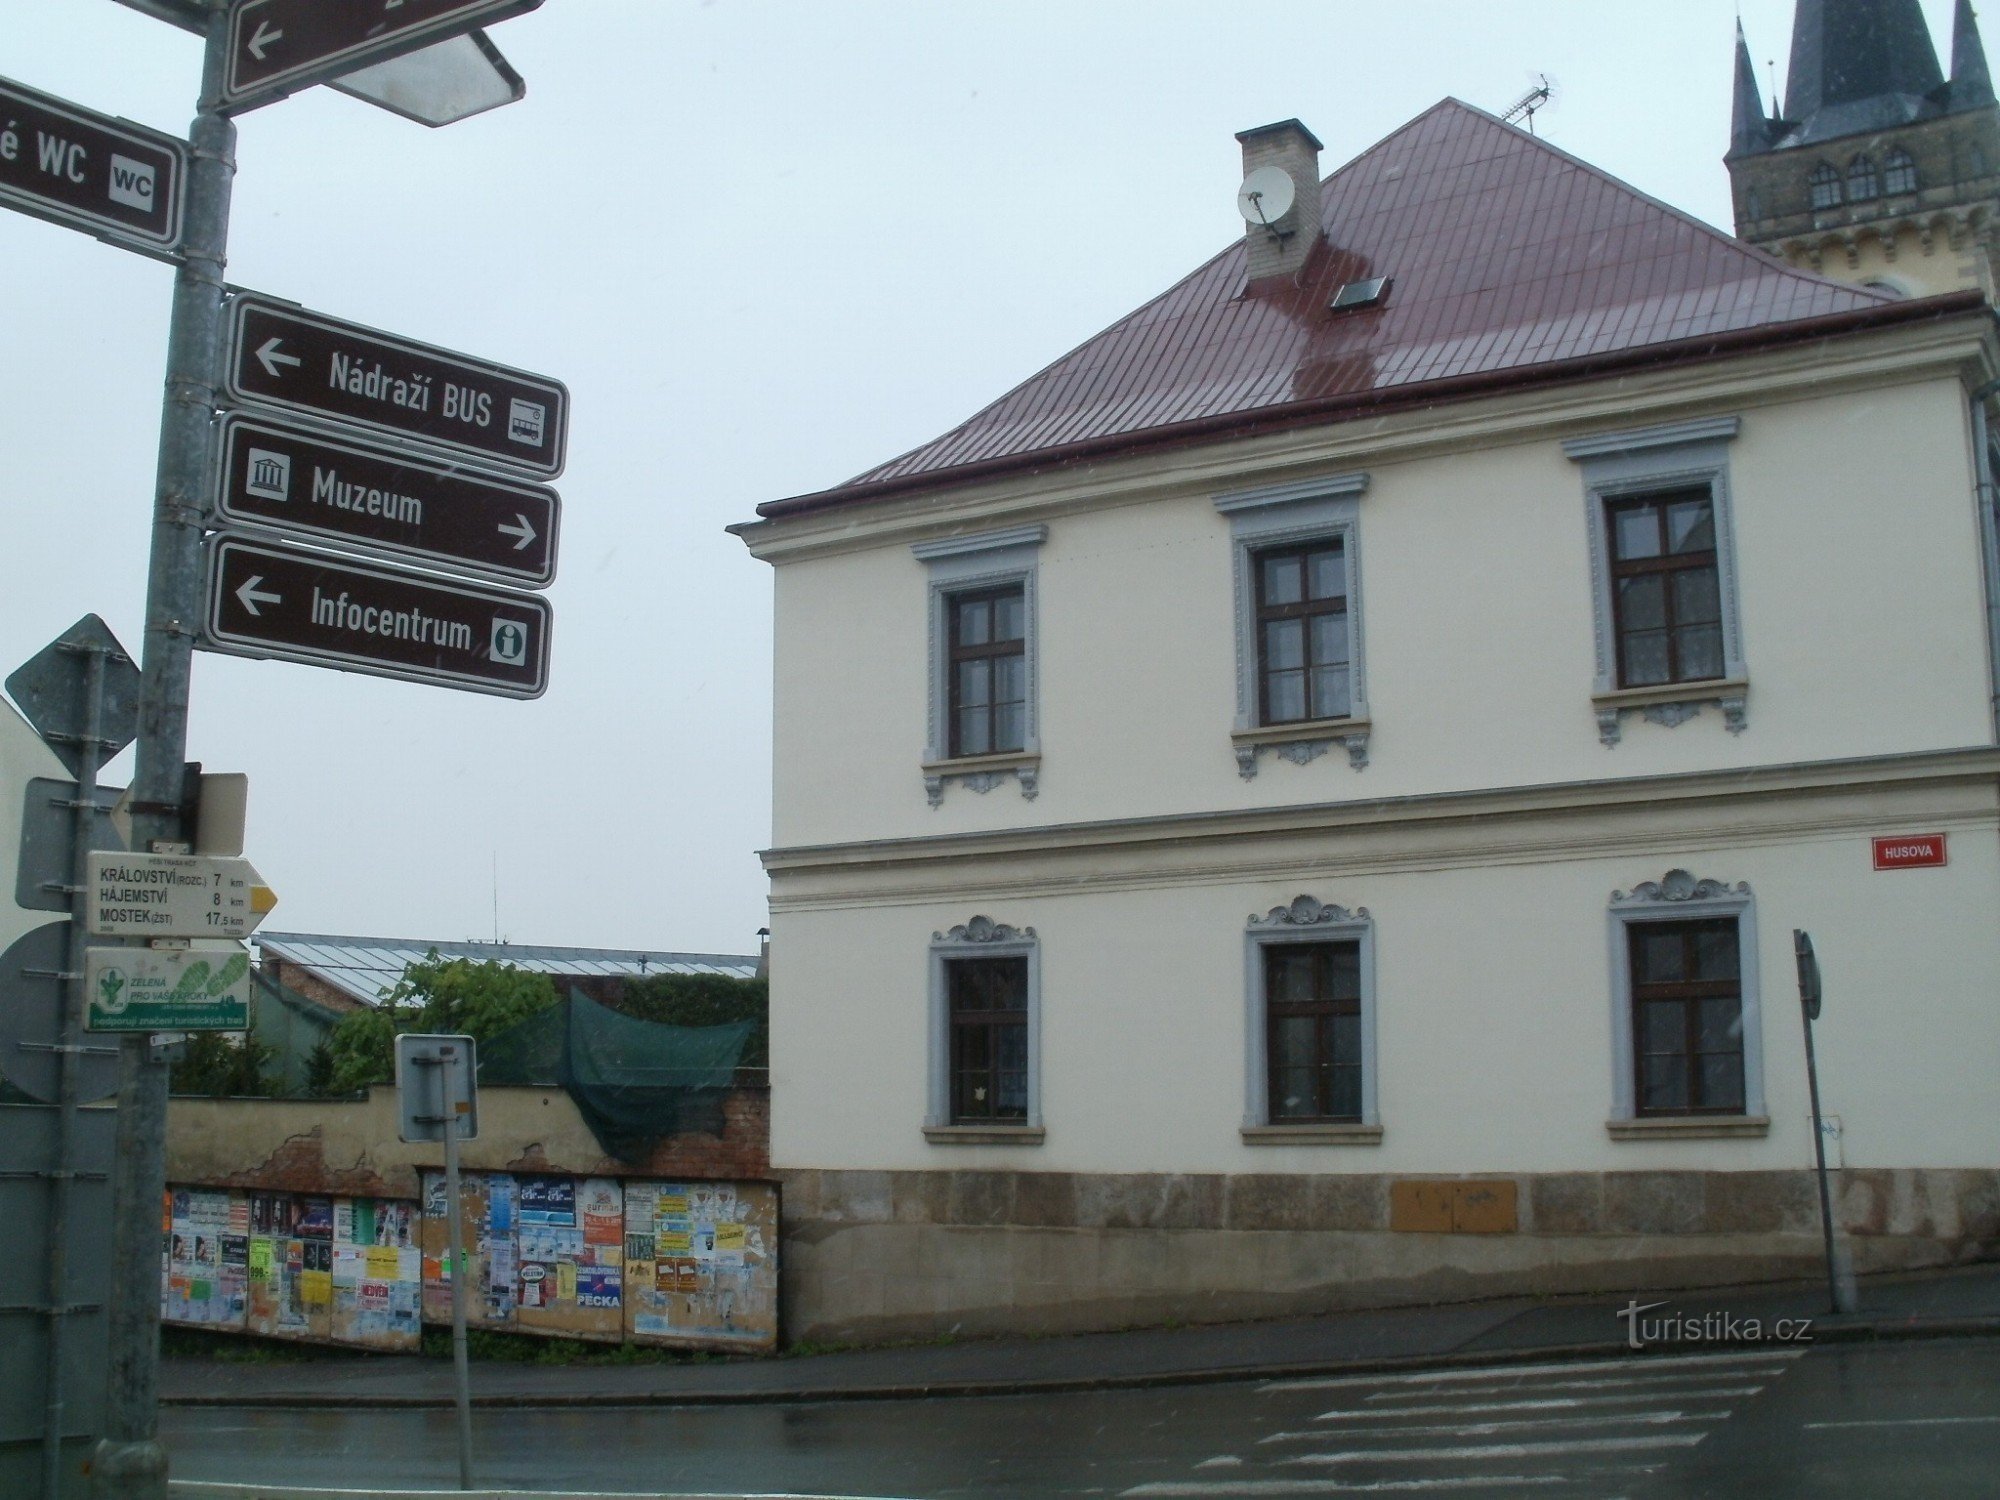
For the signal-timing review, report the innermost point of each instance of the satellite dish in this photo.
(1266, 196)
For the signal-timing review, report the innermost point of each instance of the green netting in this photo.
(634, 1082)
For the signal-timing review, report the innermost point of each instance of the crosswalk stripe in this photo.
(1535, 1405)
(1504, 1450)
(1515, 1372)
(1662, 1382)
(1489, 1429)
(1196, 1489)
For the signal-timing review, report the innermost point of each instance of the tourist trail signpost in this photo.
(174, 896)
(111, 178)
(376, 499)
(278, 601)
(283, 356)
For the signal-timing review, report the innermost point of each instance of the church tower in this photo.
(1880, 169)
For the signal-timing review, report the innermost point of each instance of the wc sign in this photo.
(1909, 851)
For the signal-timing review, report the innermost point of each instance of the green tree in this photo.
(221, 1065)
(457, 996)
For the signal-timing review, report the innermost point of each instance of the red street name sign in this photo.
(1909, 851)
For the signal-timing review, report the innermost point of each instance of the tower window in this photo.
(1862, 183)
(1825, 183)
(1899, 173)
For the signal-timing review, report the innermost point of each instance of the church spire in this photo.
(1971, 84)
(1855, 51)
(1749, 130)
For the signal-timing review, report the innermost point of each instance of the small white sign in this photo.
(527, 421)
(132, 182)
(270, 476)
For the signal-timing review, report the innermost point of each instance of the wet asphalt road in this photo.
(1868, 1421)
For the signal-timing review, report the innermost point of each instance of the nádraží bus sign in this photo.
(268, 600)
(110, 178)
(379, 500)
(286, 357)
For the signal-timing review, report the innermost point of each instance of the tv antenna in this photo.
(1524, 107)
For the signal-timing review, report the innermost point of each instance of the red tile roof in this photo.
(1511, 260)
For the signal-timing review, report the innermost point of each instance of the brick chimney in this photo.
(1294, 150)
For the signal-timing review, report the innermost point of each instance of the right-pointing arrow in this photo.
(524, 533)
(251, 596)
(269, 357)
(262, 39)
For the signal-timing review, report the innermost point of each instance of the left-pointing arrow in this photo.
(252, 596)
(263, 38)
(269, 357)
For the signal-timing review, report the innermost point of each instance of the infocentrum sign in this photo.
(267, 600)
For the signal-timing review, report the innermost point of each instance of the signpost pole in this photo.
(130, 1463)
(461, 1375)
(1840, 1299)
(69, 1042)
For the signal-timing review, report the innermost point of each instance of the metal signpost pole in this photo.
(69, 1044)
(130, 1463)
(1839, 1300)
(461, 1376)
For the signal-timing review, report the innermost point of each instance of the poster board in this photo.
(701, 1264)
(207, 1258)
(293, 1266)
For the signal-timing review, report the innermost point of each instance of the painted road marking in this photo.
(1517, 1372)
(1493, 1429)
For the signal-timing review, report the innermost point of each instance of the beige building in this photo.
(1305, 802)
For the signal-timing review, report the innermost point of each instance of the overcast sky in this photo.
(767, 245)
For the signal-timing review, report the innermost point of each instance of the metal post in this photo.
(130, 1463)
(69, 1038)
(1840, 1297)
(455, 1228)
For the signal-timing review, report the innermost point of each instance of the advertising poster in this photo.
(484, 1198)
(332, 1270)
(571, 1252)
(701, 1264)
(207, 1261)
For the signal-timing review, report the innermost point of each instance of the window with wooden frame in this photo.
(988, 668)
(1312, 1021)
(1665, 586)
(988, 1018)
(1687, 1017)
(1304, 661)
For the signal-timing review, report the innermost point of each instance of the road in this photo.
(1867, 1421)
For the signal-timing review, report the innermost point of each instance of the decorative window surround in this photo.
(981, 937)
(1306, 920)
(1307, 510)
(986, 559)
(1641, 461)
(1679, 897)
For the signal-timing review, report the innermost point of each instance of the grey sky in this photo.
(766, 245)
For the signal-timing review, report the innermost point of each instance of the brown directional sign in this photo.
(118, 181)
(352, 494)
(268, 600)
(284, 356)
(277, 47)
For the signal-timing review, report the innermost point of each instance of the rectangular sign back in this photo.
(277, 47)
(267, 600)
(286, 357)
(110, 178)
(373, 498)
